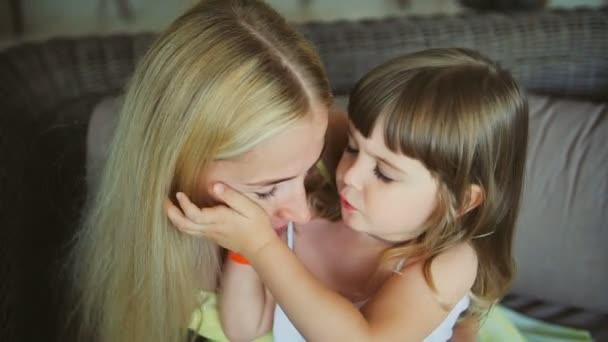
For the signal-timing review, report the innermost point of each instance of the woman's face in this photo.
(272, 174)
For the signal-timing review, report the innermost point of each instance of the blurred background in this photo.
(36, 19)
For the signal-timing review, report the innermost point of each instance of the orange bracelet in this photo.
(236, 257)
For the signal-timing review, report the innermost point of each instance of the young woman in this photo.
(228, 93)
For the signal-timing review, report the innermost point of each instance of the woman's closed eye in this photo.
(266, 195)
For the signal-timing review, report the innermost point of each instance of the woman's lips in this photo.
(345, 204)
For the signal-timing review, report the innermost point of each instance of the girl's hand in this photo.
(240, 225)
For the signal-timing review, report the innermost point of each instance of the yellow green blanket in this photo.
(501, 324)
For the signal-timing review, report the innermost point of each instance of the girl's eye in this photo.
(266, 195)
(381, 176)
(349, 149)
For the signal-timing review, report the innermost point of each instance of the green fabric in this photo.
(501, 324)
(497, 327)
(206, 321)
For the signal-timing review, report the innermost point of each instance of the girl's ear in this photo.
(474, 198)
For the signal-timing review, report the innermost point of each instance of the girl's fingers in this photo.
(235, 200)
(207, 217)
(219, 214)
(190, 209)
(182, 223)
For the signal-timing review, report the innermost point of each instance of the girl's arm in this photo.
(245, 306)
(405, 308)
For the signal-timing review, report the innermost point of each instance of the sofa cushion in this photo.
(560, 242)
(564, 315)
(562, 229)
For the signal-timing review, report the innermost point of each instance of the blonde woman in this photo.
(428, 188)
(228, 93)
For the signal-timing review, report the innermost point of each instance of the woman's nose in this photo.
(295, 208)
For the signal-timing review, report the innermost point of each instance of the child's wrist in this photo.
(241, 259)
(259, 254)
(237, 258)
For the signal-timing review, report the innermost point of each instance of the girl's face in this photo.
(384, 194)
(272, 174)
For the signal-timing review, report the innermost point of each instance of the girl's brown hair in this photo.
(466, 120)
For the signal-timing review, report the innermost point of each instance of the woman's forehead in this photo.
(286, 155)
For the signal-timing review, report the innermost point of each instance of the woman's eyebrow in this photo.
(281, 180)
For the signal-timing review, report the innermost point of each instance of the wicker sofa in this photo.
(49, 89)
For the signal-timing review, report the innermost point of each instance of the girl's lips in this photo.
(345, 204)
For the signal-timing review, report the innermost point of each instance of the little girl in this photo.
(429, 186)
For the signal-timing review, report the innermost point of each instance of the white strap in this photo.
(290, 235)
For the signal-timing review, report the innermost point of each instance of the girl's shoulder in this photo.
(455, 269)
(417, 299)
(451, 274)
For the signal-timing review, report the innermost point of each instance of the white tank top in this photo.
(284, 331)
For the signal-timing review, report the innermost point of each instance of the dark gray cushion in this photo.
(594, 322)
(560, 244)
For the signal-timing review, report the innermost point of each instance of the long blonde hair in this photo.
(466, 120)
(223, 77)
